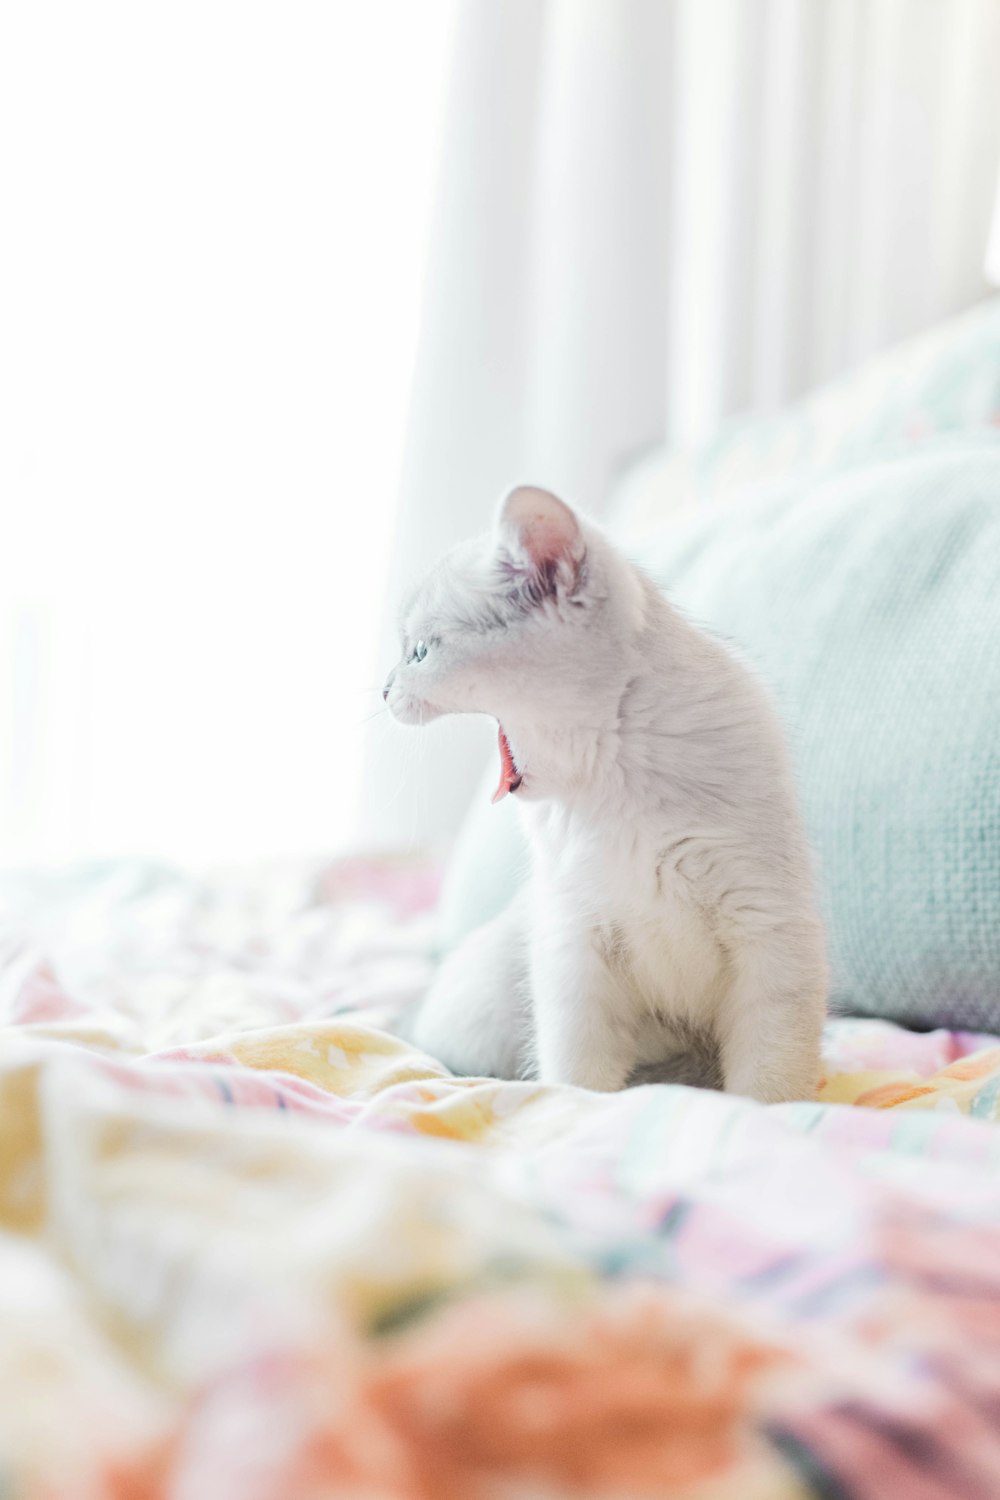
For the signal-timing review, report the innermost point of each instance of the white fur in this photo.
(670, 914)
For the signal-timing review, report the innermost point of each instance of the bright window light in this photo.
(215, 217)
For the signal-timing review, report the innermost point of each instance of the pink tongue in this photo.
(510, 777)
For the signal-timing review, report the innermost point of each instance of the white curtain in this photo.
(655, 213)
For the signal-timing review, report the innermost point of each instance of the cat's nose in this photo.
(385, 695)
(388, 686)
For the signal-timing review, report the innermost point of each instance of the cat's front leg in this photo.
(771, 1021)
(582, 1036)
(473, 1017)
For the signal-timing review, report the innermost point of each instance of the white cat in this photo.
(669, 927)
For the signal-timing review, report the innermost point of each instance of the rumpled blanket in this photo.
(254, 1247)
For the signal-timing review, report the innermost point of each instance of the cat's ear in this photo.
(538, 535)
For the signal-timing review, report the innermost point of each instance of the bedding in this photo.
(254, 1246)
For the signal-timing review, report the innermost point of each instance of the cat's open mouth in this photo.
(510, 776)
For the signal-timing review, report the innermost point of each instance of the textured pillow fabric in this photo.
(871, 605)
(946, 380)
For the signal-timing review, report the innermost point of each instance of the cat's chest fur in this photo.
(624, 891)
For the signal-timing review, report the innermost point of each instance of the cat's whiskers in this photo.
(374, 714)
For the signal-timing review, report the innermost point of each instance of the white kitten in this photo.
(669, 926)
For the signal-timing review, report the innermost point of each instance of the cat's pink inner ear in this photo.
(537, 524)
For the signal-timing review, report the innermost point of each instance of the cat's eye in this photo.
(419, 651)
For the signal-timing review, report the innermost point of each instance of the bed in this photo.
(255, 1246)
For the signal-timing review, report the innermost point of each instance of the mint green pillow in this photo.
(871, 604)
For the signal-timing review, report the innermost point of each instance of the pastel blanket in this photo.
(253, 1246)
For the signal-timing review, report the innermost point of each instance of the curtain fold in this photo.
(656, 213)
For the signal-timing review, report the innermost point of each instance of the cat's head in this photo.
(524, 624)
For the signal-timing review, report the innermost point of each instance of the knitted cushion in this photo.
(871, 604)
